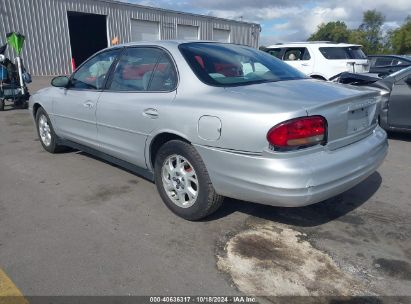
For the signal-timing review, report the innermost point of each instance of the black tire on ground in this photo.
(22, 102)
(207, 201)
(21, 105)
(383, 125)
(2, 104)
(52, 147)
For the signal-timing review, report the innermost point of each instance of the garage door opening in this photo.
(142, 30)
(187, 32)
(88, 34)
(221, 35)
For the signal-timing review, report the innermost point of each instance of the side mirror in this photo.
(408, 80)
(60, 81)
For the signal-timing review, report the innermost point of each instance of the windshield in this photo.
(349, 52)
(233, 65)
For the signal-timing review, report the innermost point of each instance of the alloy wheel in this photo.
(44, 130)
(180, 181)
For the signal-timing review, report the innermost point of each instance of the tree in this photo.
(332, 31)
(371, 31)
(400, 38)
(358, 37)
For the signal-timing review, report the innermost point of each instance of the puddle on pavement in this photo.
(272, 259)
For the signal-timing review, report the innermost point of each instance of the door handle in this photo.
(150, 113)
(88, 104)
(304, 64)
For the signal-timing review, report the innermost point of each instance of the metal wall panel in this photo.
(44, 23)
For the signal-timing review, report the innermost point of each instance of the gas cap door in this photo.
(209, 128)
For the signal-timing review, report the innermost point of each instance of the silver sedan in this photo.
(210, 120)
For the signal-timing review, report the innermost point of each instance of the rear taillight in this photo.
(299, 132)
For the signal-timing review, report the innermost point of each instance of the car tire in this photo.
(45, 131)
(2, 102)
(382, 124)
(21, 104)
(178, 164)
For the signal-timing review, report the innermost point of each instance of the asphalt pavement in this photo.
(71, 224)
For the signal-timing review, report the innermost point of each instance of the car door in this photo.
(74, 107)
(399, 111)
(140, 88)
(300, 59)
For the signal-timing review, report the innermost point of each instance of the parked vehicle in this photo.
(207, 120)
(395, 114)
(321, 60)
(383, 65)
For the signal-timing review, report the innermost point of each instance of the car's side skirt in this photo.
(142, 172)
(397, 129)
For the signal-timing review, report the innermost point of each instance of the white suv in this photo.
(322, 60)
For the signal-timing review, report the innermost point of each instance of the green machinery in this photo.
(13, 77)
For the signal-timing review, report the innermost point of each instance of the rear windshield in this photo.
(350, 52)
(221, 64)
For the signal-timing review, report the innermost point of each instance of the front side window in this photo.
(233, 65)
(349, 52)
(144, 69)
(92, 74)
(292, 54)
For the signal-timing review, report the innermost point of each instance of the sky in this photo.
(290, 20)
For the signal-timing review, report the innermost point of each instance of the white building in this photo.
(58, 31)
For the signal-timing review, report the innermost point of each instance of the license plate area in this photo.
(358, 67)
(362, 68)
(358, 119)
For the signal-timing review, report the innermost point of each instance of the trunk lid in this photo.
(349, 119)
(351, 112)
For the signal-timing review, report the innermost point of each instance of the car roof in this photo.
(406, 57)
(166, 43)
(316, 43)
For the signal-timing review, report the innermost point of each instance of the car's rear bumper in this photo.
(295, 180)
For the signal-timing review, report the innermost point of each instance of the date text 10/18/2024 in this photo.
(203, 299)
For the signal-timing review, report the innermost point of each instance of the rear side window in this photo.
(351, 52)
(144, 69)
(164, 77)
(274, 52)
(292, 54)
